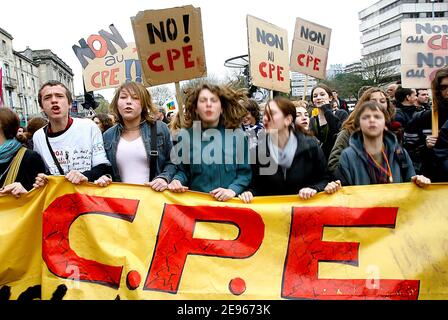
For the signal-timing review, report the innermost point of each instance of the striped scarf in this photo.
(8, 150)
(377, 175)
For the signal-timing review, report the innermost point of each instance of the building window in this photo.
(9, 97)
(389, 7)
(7, 72)
(4, 49)
(23, 81)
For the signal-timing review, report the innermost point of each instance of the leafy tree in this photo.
(103, 106)
(347, 84)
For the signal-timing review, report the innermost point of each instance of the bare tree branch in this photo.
(377, 69)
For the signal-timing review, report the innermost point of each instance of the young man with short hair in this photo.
(72, 147)
(405, 103)
(422, 102)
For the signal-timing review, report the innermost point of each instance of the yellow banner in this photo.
(129, 242)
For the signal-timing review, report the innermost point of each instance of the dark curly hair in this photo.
(232, 111)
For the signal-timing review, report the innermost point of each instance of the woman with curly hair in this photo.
(209, 156)
(349, 126)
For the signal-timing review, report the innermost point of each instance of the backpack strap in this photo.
(14, 167)
(401, 161)
(153, 154)
(50, 149)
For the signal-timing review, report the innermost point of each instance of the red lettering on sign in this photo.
(175, 241)
(106, 77)
(310, 60)
(188, 63)
(269, 73)
(172, 56)
(57, 220)
(103, 49)
(113, 77)
(438, 42)
(306, 249)
(154, 67)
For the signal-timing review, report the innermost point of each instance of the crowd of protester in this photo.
(225, 144)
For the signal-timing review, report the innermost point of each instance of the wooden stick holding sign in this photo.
(435, 116)
(180, 104)
(305, 88)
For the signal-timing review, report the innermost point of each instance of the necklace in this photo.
(388, 172)
(131, 129)
(137, 127)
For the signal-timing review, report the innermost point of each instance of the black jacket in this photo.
(31, 165)
(404, 114)
(441, 153)
(418, 128)
(333, 124)
(308, 169)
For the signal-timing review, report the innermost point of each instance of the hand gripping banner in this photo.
(129, 242)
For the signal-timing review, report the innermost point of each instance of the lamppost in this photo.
(432, 1)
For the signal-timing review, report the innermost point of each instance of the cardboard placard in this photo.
(107, 60)
(424, 47)
(268, 55)
(170, 44)
(310, 47)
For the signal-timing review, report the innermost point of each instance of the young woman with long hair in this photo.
(211, 161)
(296, 163)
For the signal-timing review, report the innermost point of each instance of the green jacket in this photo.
(342, 142)
(208, 160)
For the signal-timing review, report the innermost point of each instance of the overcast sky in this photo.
(57, 25)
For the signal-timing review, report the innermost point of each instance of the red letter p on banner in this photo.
(175, 241)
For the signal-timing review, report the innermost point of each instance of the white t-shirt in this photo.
(132, 161)
(79, 148)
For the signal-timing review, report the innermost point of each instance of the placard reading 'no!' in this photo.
(310, 48)
(268, 53)
(170, 44)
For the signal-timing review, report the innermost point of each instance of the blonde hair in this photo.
(350, 123)
(300, 103)
(149, 110)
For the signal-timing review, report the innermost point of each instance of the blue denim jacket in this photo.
(164, 167)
